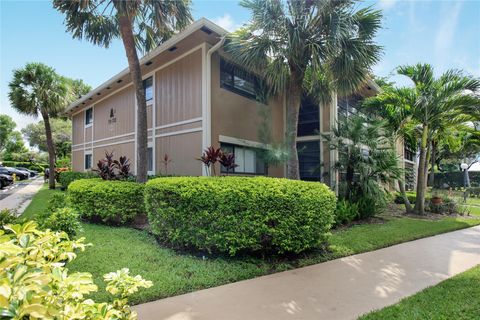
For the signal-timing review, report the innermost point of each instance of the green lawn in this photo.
(174, 273)
(455, 298)
(39, 202)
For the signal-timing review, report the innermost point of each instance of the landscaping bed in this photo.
(175, 273)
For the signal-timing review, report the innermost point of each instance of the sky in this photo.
(443, 33)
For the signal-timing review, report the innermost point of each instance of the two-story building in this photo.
(197, 98)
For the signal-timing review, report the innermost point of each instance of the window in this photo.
(88, 161)
(235, 79)
(88, 117)
(248, 160)
(148, 86)
(150, 159)
(409, 154)
(348, 106)
(309, 160)
(308, 118)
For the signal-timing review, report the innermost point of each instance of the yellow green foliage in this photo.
(34, 283)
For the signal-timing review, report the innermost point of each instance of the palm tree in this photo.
(37, 89)
(141, 24)
(317, 46)
(433, 103)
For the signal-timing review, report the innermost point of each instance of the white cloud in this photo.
(446, 32)
(226, 21)
(387, 4)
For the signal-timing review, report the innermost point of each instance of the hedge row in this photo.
(109, 201)
(40, 167)
(65, 178)
(444, 180)
(240, 214)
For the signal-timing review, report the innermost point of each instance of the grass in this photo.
(39, 202)
(174, 273)
(455, 298)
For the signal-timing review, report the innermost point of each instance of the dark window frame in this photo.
(85, 157)
(89, 116)
(306, 157)
(150, 85)
(233, 71)
(230, 147)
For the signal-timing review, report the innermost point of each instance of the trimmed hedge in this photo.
(67, 177)
(444, 180)
(240, 214)
(111, 201)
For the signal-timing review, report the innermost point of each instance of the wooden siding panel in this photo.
(123, 149)
(77, 160)
(77, 128)
(183, 149)
(123, 105)
(179, 90)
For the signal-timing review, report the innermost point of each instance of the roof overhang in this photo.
(197, 25)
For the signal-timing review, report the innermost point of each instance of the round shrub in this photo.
(67, 177)
(110, 201)
(63, 219)
(240, 214)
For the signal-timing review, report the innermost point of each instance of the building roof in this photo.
(197, 25)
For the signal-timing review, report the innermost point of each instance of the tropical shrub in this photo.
(67, 177)
(36, 285)
(62, 219)
(7, 216)
(474, 192)
(240, 214)
(346, 212)
(447, 206)
(113, 201)
(109, 169)
(211, 156)
(410, 195)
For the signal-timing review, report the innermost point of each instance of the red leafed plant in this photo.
(109, 169)
(211, 155)
(227, 160)
(165, 161)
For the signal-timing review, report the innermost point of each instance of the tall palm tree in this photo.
(37, 89)
(321, 46)
(434, 102)
(392, 105)
(141, 24)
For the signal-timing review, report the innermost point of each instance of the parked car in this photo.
(21, 175)
(33, 173)
(5, 180)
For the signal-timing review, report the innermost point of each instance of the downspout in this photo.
(208, 115)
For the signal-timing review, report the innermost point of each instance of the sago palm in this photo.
(140, 24)
(320, 46)
(37, 89)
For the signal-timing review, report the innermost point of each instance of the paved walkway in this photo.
(339, 289)
(20, 197)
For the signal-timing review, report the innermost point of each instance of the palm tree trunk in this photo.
(51, 150)
(431, 177)
(420, 201)
(135, 72)
(294, 99)
(408, 205)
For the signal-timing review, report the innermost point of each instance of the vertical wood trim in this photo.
(206, 112)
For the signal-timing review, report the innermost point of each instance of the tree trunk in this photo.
(431, 177)
(408, 205)
(51, 151)
(135, 72)
(294, 99)
(421, 186)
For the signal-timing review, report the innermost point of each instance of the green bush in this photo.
(412, 197)
(7, 216)
(474, 192)
(346, 212)
(115, 202)
(240, 214)
(63, 219)
(67, 177)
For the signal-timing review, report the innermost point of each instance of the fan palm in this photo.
(319, 46)
(37, 89)
(141, 24)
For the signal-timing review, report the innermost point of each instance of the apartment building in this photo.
(197, 98)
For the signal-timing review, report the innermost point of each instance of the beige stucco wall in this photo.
(121, 149)
(77, 160)
(236, 116)
(77, 128)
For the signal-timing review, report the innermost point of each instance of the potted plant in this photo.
(436, 199)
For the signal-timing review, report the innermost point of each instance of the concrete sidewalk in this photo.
(20, 198)
(339, 289)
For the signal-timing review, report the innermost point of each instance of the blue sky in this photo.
(443, 33)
